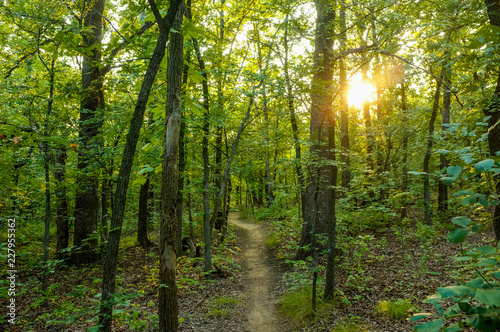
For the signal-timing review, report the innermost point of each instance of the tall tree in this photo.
(168, 307)
(109, 266)
(493, 111)
(90, 123)
(318, 199)
(344, 107)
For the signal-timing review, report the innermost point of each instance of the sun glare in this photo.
(359, 92)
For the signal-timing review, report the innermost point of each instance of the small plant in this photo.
(476, 302)
(222, 306)
(297, 307)
(272, 241)
(352, 325)
(396, 309)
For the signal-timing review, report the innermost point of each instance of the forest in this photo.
(254, 166)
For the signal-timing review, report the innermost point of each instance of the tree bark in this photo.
(62, 221)
(142, 220)
(428, 153)
(493, 111)
(168, 307)
(344, 107)
(90, 123)
(317, 205)
(109, 266)
(445, 113)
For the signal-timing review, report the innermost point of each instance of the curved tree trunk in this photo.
(109, 269)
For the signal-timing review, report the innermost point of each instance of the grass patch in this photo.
(272, 241)
(348, 326)
(296, 306)
(222, 306)
(398, 309)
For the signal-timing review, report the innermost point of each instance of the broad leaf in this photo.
(484, 165)
(451, 291)
(420, 316)
(488, 296)
(461, 221)
(454, 171)
(457, 236)
(433, 326)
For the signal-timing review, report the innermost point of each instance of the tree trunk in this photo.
(493, 110)
(428, 152)
(62, 221)
(90, 123)
(142, 221)
(443, 188)
(109, 266)
(344, 107)
(317, 205)
(168, 306)
(404, 161)
(182, 154)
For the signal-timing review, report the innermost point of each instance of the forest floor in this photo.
(249, 283)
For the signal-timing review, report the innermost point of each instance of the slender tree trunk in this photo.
(62, 221)
(182, 154)
(443, 188)
(493, 111)
(428, 152)
(168, 307)
(317, 205)
(109, 266)
(227, 169)
(404, 161)
(344, 107)
(142, 220)
(90, 123)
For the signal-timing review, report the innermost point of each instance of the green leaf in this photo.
(416, 173)
(451, 291)
(495, 274)
(483, 201)
(484, 165)
(476, 283)
(453, 328)
(487, 250)
(469, 200)
(457, 236)
(454, 171)
(434, 298)
(476, 228)
(461, 221)
(487, 261)
(488, 296)
(420, 316)
(463, 193)
(432, 326)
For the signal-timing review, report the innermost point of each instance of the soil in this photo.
(260, 302)
(392, 268)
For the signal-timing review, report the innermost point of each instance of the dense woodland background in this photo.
(141, 124)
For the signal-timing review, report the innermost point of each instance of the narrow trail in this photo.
(261, 309)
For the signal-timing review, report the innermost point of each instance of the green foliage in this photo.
(351, 325)
(222, 306)
(475, 302)
(398, 309)
(296, 307)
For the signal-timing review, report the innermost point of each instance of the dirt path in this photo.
(261, 309)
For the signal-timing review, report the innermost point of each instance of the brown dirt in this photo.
(260, 301)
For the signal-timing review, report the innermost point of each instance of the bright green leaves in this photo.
(488, 34)
(453, 173)
(484, 165)
(460, 233)
(432, 326)
(461, 221)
